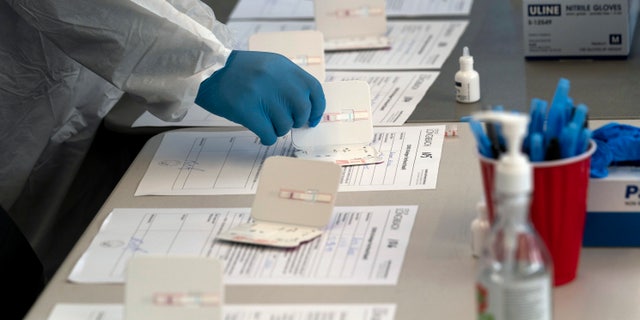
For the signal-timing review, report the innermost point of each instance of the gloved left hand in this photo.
(265, 92)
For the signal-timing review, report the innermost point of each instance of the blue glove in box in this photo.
(613, 209)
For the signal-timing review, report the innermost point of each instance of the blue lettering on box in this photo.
(631, 190)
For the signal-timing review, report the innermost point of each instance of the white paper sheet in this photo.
(395, 95)
(415, 44)
(360, 246)
(303, 9)
(215, 163)
(113, 311)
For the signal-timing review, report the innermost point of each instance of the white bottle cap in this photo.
(466, 60)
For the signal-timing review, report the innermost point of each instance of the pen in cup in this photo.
(555, 131)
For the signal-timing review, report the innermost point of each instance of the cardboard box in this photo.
(613, 209)
(579, 28)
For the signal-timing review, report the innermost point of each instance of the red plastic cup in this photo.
(558, 207)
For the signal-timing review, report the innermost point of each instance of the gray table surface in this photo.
(609, 87)
(437, 276)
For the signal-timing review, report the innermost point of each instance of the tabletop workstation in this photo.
(434, 277)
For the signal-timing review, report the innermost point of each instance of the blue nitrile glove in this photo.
(616, 143)
(265, 92)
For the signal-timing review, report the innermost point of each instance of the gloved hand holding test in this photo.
(265, 92)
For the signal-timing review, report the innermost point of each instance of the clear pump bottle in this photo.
(515, 274)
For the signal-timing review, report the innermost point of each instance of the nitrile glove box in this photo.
(613, 209)
(578, 28)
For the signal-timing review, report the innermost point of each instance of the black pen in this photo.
(492, 133)
(553, 150)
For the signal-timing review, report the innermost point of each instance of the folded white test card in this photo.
(352, 24)
(173, 287)
(345, 132)
(293, 203)
(303, 47)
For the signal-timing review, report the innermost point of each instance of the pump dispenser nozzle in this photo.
(513, 172)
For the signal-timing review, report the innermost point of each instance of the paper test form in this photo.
(353, 249)
(209, 163)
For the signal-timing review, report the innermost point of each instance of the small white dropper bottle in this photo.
(515, 274)
(467, 79)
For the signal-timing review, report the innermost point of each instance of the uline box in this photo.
(578, 28)
(613, 209)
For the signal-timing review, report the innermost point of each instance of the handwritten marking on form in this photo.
(211, 163)
(112, 311)
(361, 245)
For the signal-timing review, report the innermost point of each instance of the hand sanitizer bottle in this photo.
(515, 274)
(467, 80)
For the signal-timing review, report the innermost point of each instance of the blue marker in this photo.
(580, 115)
(583, 141)
(569, 109)
(484, 145)
(569, 140)
(557, 112)
(538, 113)
(536, 147)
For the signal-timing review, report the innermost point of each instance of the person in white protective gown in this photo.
(64, 64)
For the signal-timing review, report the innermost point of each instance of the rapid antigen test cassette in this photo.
(294, 202)
(162, 287)
(345, 132)
(352, 24)
(304, 47)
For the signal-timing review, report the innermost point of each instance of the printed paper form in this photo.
(216, 163)
(112, 311)
(303, 9)
(415, 44)
(360, 246)
(394, 96)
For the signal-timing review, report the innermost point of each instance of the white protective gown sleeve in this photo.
(64, 65)
(158, 50)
